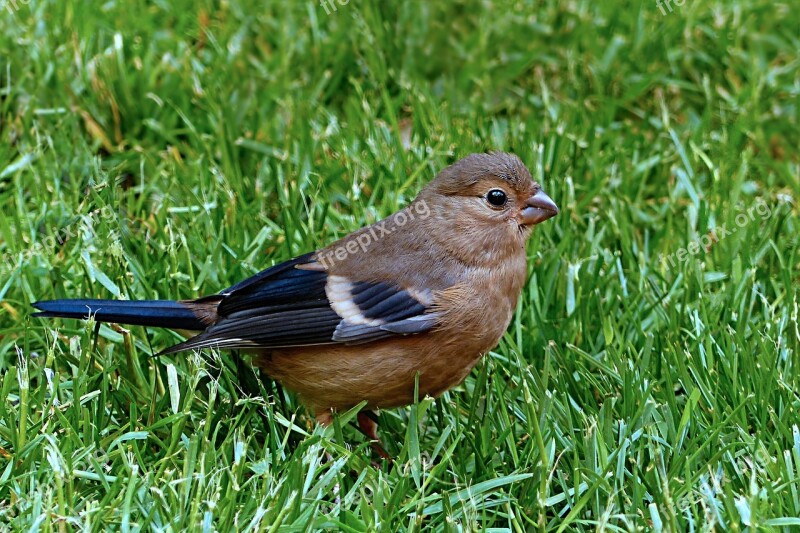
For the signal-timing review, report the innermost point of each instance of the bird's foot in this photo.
(368, 424)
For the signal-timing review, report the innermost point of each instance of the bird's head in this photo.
(489, 204)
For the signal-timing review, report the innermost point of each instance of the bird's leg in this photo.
(368, 424)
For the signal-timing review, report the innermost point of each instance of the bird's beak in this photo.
(538, 208)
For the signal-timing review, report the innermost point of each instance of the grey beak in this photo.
(538, 208)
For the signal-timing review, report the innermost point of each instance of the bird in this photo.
(413, 300)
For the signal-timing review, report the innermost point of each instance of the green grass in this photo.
(170, 149)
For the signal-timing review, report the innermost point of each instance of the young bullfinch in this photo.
(426, 291)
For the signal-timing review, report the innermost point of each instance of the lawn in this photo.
(650, 379)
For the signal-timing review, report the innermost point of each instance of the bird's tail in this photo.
(159, 313)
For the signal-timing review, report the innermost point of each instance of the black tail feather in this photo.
(158, 313)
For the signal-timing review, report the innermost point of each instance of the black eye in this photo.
(497, 198)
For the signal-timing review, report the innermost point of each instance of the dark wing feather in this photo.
(284, 329)
(288, 306)
(281, 285)
(273, 273)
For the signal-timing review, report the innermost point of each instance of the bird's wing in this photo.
(298, 303)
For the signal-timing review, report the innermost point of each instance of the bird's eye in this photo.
(497, 198)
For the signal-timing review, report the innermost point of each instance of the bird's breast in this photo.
(480, 308)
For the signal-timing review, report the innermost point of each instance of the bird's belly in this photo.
(382, 373)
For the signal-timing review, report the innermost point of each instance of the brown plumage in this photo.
(427, 291)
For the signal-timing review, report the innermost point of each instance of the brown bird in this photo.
(426, 291)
